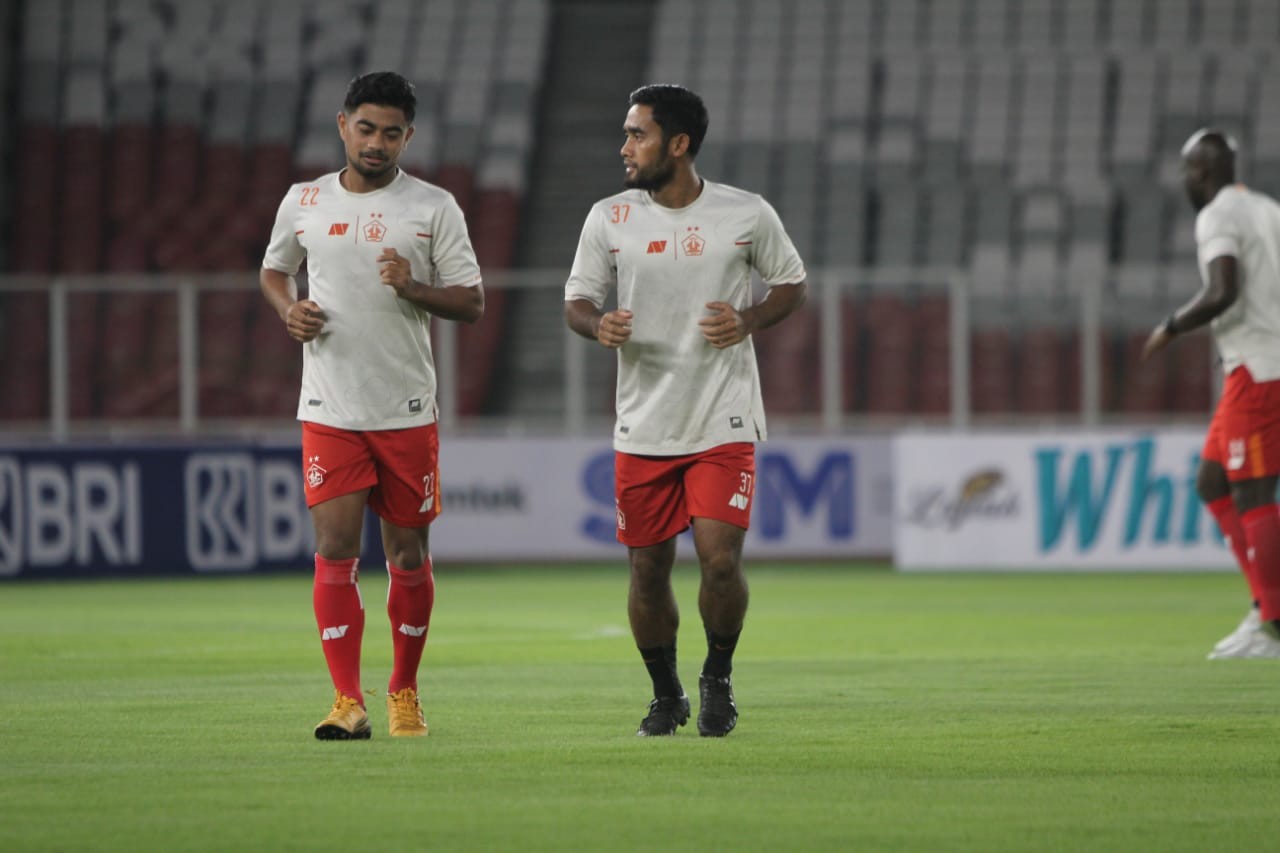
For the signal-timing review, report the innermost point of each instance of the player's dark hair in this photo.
(675, 110)
(1218, 153)
(384, 88)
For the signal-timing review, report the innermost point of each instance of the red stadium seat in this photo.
(1146, 386)
(790, 372)
(223, 354)
(887, 325)
(991, 371)
(131, 160)
(24, 358)
(1040, 372)
(851, 335)
(933, 366)
(460, 181)
(35, 210)
(80, 220)
(276, 372)
(123, 353)
(1193, 363)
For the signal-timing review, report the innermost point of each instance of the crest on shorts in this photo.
(315, 474)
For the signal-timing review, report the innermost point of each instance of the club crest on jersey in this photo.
(693, 245)
(315, 474)
(375, 230)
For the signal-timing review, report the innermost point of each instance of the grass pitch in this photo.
(878, 712)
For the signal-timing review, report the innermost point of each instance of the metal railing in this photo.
(1089, 312)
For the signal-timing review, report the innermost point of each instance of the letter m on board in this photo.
(656, 247)
(338, 229)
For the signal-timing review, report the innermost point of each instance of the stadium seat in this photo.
(1040, 372)
(887, 328)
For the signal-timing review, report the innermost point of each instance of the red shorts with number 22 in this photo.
(398, 466)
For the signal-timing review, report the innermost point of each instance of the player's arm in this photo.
(611, 329)
(302, 318)
(464, 303)
(1219, 294)
(726, 326)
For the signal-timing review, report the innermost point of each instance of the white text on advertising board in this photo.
(53, 514)
(241, 510)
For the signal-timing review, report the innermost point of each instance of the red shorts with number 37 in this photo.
(398, 466)
(657, 496)
(1244, 435)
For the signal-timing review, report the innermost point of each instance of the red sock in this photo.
(340, 618)
(1262, 529)
(1224, 511)
(410, 596)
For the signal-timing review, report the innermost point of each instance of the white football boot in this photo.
(1251, 622)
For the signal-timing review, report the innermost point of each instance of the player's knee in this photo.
(720, 568)
(408, 556)
(337, 547)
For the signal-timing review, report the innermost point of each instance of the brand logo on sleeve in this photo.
(656, 247)
(338, 229)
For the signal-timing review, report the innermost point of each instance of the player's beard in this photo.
(371, 172)
(654, 178)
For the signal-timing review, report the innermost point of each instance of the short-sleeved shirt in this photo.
(371, 367)
(676, 393)
(1245, 225)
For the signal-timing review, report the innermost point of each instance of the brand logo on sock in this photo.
(337, 632)
(738, 501)
(412, 630)
(1235, 454)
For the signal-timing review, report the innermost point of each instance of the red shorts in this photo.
(398, 466)
(1244, 435)
(658, 495)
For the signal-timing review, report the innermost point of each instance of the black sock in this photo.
(719, 663)
(661, 663)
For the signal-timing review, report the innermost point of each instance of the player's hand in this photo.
(304, 320)
(394, 271)
(1156, 341)
(614, 329)
(724, 327)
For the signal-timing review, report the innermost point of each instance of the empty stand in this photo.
(1029, 144)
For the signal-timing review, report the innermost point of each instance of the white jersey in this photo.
(1245, 225)
(371, 367)
(676, 393)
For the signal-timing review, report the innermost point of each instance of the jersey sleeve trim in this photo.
(1217, 247)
